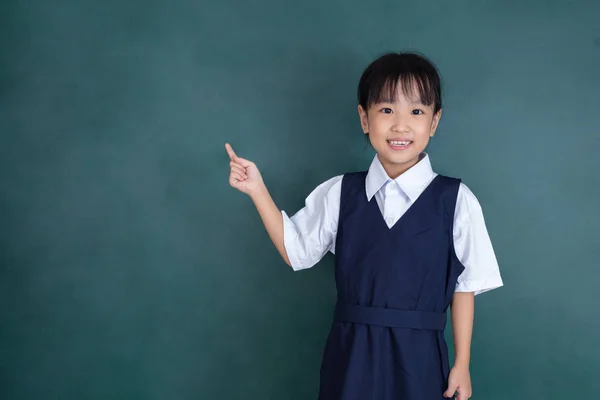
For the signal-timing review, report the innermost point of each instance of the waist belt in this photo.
(390, 317)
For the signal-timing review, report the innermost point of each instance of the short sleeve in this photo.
(310, 233)
(473, 246)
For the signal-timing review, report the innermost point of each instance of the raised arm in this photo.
(245, 177)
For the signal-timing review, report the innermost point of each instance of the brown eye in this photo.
(386, 110)
(417, 112)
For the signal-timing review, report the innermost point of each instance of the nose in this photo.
(400, 124)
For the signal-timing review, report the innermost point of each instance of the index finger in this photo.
(230, 152)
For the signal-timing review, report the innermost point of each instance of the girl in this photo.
(408, 245)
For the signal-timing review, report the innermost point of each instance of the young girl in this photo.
(408, 245)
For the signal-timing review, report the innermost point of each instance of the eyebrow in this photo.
(392, 101)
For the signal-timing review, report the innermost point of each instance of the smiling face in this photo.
(400, 106)
(399, 129)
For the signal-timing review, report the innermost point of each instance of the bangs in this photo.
(417, 77)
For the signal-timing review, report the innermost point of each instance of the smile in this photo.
(399, 144)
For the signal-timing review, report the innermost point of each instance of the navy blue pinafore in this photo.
(394, 286)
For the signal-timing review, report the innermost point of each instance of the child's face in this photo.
(399, 131)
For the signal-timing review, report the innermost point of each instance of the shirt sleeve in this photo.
(310, 233)
(473, 246)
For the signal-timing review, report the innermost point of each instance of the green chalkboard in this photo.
(129, 269)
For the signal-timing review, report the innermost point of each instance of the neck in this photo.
(395, 170)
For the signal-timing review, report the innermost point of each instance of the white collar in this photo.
(412, 182)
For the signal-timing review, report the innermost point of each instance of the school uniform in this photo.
(403, 247)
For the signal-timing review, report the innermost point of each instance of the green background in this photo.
(129, 269)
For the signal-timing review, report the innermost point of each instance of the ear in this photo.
(364, 120)
(435, 122)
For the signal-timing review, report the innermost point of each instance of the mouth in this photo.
(399, 144)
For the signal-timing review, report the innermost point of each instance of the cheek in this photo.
(423, 137)
(424, 128)
(379, 126)
(422, 134)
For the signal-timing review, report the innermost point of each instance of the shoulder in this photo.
(449, 189)
(448, 181)
(460, 197)
(355, 175)
(462, 192)
(467, 198)
(330, 182)
(468, 207)
(327, 189)
(353, 178)
(353, 182)
(333, 187)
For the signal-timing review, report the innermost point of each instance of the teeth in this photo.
(398, 143)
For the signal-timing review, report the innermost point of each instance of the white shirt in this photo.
(311, 232)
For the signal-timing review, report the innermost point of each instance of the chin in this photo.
(400, 157)
(405, 160)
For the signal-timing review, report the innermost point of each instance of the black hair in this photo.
(414, 72)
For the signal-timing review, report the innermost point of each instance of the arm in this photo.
(305, 238)
(474, 250)
(462, 312)
(246, 177)
(272, 219)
